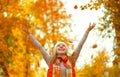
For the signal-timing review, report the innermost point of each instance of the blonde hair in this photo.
(55, 54)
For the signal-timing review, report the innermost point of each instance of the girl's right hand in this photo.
(25, 29)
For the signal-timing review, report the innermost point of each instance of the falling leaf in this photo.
(75, 7)
(94, 46)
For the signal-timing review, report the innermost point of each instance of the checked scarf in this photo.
(55, 69)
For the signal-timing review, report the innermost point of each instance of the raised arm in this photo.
(77, 50)
(45, 55)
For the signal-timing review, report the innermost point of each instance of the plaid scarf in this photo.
(55, 69)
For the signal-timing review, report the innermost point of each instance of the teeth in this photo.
(61, 49)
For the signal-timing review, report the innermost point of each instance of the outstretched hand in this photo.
(91, 26)
(25, 29)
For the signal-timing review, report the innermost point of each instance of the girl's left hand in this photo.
(91, 26)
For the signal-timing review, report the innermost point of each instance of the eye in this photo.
(63, 45)
(58, 45)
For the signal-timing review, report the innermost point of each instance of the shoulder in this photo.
(52, 59)
(71, 60)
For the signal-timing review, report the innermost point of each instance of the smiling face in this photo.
(61, 49)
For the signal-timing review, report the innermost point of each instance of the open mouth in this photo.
(61, 49)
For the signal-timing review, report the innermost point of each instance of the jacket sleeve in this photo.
(45, 55)
(77, 50)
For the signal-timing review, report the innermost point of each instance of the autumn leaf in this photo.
(94, 46)
(75, 7)
(19, 53)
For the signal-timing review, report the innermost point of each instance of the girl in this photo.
(60, 64)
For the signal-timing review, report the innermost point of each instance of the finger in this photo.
(89, 24)
(94, 23)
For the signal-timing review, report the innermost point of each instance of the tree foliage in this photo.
(110, 21)
(97, 67)
(47, 20)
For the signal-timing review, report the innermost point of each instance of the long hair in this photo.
(52, 60)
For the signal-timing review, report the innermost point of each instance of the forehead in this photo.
(61, 44)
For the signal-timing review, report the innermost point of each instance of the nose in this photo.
(61, 46)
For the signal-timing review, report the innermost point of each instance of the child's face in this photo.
(61, 49)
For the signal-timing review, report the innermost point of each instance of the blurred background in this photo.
(50, 21)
